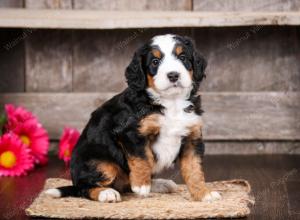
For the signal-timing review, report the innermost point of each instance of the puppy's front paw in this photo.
(109, 195)
(143, 190)
(211, 196)
(163, 186)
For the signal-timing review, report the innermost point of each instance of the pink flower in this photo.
(36, 138)
(25, 125)
(17, 115)
(15, 159)
(67, 142)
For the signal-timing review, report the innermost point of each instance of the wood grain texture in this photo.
(246, 5)
(11, 4)
(143, 5)
(99, 64)
(268, 176)
(252, 147)
(49, 61)
(101, 57)
(252, 116)
(250, 58)
(228, 116)
(50, 4)
(92, 19)
(293, 197)
(12, 60)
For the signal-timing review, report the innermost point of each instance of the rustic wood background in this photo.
(251, 94)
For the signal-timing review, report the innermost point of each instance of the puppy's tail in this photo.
(64, 191)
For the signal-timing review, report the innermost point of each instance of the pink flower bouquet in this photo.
(25, 142)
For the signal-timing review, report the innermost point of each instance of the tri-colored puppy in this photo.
(145, 129)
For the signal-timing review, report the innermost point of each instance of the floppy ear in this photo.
(199, 66)
(134, 74)
(198, 62)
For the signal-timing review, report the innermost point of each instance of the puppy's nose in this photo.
(173, 76)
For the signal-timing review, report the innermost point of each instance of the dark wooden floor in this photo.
(275, 184)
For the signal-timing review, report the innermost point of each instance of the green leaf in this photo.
(2, 123)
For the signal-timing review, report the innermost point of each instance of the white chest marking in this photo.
(174, 125)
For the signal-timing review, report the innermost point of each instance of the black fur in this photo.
(117, 120)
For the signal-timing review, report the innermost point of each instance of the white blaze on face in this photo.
(175, 123)
(170, 63)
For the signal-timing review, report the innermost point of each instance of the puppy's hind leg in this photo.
(104, 194)
(105, 191)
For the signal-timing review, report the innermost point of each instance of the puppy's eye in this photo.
(182, 57)
(155, 62)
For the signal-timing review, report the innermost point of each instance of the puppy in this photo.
(145, 129)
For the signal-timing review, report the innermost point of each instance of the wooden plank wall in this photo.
(133, 5)
(12, 55)
(12, 61)
(49, 62)
(250, 58)
(11, 3)
(246, 5)
(48, 4)
(251, 93)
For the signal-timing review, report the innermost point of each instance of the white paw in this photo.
(109, 195)
(211, 196)
(53, 192)
(163, 186)
(143, 190)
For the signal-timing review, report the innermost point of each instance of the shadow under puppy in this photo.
(145, 129)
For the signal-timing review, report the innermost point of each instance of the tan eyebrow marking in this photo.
(156, 53)
(178, 50)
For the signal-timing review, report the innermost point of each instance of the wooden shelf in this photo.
(92, 19)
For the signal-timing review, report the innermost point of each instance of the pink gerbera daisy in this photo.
(67, 142)
(35, 137)
(17, 115)
(15, 159)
